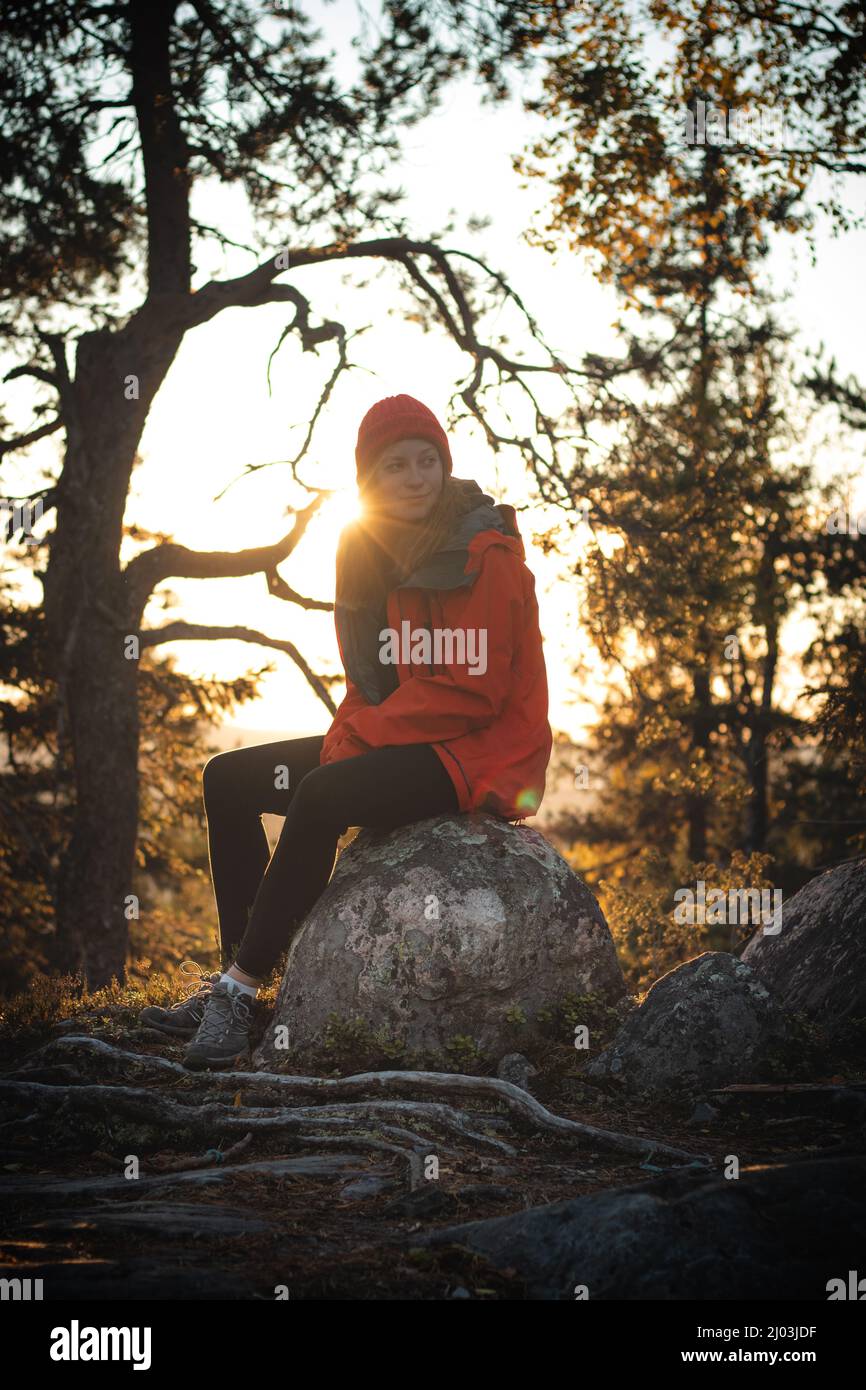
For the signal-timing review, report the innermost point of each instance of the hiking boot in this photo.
(224, 1032)
(181, 1020)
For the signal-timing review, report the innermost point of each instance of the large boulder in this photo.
(461, 926)
(709, 1022)
(816, 964)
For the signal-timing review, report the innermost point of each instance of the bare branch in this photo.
(255, 288)
(203, 230)
(33, 369)
(170, 560)
(48, 495)
(450, 300)
(194, 632)
(280, 589)
(23, 441)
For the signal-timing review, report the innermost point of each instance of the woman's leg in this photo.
(383, 788)
(237, 787)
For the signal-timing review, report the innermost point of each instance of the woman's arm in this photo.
(427, 709)
(338, 742)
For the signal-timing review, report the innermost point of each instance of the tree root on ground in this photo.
(40, 1189)
(272, 1090)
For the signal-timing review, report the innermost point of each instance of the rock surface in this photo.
(458, 926)
(776, 1232)
(709, 1022)
(816, 965)
(517, 1069)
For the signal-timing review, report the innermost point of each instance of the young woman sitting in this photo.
(445, 711)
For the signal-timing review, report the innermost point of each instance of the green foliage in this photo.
(699, 467)
(465, 1055)
(350, 1044)
(27, 1017)
(47, 1000)
(840, 657)
(640, 910)
(591, 1010)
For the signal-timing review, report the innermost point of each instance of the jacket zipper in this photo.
(459, 764)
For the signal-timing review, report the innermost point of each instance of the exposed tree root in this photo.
(147, 1108)
(166, 1220)
(162, 1163)
(524, 1111)
(45, 1189)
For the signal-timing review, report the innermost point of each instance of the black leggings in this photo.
(259, 903)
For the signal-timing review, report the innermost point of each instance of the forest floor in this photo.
(325, 1198)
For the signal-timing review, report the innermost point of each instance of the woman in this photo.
(445, 711)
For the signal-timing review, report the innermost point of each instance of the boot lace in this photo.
(224, 1007)
(201, 982)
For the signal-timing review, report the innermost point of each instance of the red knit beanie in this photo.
(397, 417)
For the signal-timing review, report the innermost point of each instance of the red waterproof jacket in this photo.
(490, 730)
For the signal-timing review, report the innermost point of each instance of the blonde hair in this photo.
(377, 552)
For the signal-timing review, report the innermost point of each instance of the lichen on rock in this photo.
(709, 1022)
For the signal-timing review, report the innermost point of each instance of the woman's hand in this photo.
(348, 745)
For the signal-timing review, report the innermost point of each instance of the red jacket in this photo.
(490, 730)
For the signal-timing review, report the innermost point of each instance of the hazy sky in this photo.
(214, 413)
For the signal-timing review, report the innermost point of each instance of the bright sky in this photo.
(214, 414)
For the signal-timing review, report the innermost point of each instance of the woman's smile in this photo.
(406, 463)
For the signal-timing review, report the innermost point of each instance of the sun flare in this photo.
(343, 507)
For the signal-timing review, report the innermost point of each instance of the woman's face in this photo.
(407, 479)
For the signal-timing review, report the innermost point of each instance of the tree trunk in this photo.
(89, 617)
(96, 868)
(756, 751)
(697, 801)
(756, 808)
